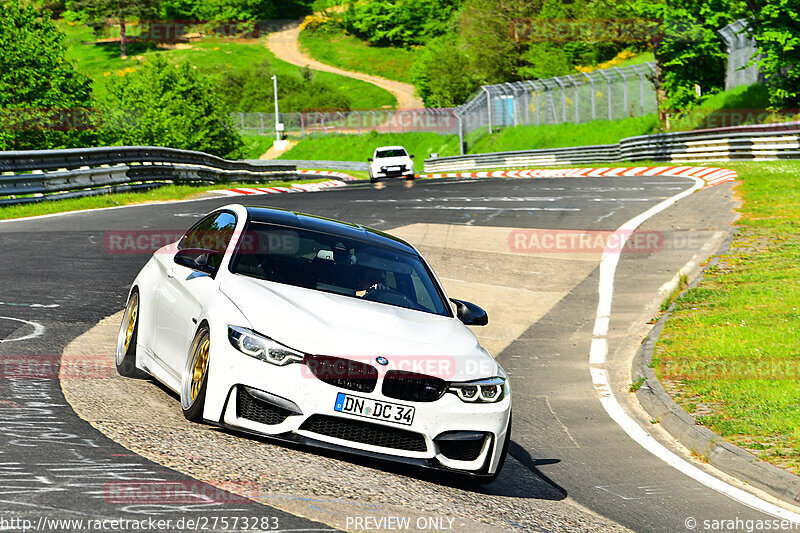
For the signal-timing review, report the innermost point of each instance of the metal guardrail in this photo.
(758, 142)
(37, 175)
(318, 164)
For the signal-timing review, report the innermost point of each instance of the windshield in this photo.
(331, 263)
(394, 152)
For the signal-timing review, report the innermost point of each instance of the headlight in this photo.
(481, 391)
(262, 348)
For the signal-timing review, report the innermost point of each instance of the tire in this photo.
(411, 177)
(127, 339)
(373, 180)
(195, 380)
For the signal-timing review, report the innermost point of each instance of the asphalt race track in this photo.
(571, 467)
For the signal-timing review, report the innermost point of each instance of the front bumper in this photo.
(306, 406)
(386, 173)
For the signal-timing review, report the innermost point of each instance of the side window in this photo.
(212, 233)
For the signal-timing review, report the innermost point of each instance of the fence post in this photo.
(591, 82)
(242, 117)
(302, 126)
(575, 86)
(561, 86)
(261, 130)
(641, 89)
(624, 90)
(460, 133)
(608, 93)
(488, 108)
(535, 99)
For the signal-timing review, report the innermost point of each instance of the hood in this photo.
(321, 323)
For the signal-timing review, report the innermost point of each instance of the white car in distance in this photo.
(390, 162)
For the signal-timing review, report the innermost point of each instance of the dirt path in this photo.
(285, 46)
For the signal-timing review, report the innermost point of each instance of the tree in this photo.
(776, 28)
(689, 52)
(99, 11)
(399, 22)
(245, 91)
(168, 105)
(42, 95)
(441, 74)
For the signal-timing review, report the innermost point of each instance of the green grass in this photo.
(731, 344)
(360, 147)
(350, 53)
(168, 192)
(564, 135)
(741, 105)
(255, 145)
(209, 55)
(644, 57)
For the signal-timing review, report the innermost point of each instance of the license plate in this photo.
(393, 169)
(375, 409)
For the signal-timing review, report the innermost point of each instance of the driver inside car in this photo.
(370, 280)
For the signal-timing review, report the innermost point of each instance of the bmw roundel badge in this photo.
(382, 361)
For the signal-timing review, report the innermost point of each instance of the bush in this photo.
(251, 90)
(399, 22)
(441, 74)
(41, 93)
(168, 105)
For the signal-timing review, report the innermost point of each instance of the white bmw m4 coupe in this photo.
(320, 332)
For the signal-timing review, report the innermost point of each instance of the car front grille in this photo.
(365, 433)
(412, 387)
(461, 450)
(343, 373)
(258, 410)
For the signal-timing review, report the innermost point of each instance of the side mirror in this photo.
(197, 259)
(369, 159)
(411, 156)
(470, 314)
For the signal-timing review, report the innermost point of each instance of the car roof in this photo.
(389, 148)
(293, 219)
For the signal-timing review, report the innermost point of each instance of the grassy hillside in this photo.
(350, 53)
(564, 135)
(360, 147)
(210, 55)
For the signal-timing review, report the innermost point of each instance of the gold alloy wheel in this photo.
(131, 314)
(199, 368)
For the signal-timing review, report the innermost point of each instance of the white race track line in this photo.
(597, 358)
(38, 329)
